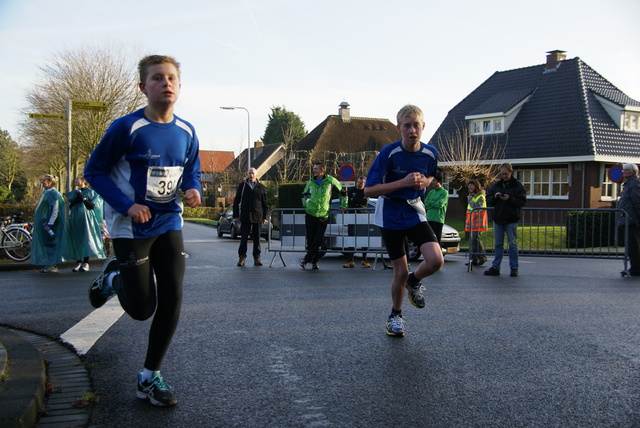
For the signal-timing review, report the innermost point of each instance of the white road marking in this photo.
(86, 333)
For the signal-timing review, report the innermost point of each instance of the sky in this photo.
(310, 56)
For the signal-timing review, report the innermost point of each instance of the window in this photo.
(545, 183)
(631, 121)
(486, 126)
(610, 190)
(446, 183)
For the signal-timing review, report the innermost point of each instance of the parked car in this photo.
(227, 224)
(356, 230)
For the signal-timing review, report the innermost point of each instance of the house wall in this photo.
(585, 192)
(595, 187)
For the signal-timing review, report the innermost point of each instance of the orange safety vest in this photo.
(476, 221)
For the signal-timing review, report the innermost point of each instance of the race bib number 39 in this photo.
(162, 183)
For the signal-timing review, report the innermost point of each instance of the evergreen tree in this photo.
(284, 127)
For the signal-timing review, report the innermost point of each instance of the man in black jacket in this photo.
(507, 196)
(250, 208)
(630, 203)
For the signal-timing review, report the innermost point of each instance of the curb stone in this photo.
(22, 392)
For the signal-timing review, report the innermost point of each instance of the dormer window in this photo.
(627, 118)
(486, 126)
(496, 113)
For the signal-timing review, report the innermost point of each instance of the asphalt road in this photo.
(283, 347)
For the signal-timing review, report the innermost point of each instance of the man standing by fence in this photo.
(250, 208)
(630, 203)
(507, 197)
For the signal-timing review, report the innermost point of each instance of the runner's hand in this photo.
(192, 197)
(139, 213)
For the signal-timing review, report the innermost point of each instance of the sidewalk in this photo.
(41, 381)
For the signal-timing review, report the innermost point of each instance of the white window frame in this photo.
(536, 179)
(631, 121)
(453, 193)
(486, 126)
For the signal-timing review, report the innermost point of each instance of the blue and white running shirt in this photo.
(393, 163)
(144, 162)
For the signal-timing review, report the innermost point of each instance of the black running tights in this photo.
(141, 296)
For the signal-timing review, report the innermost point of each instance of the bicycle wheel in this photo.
(17, 244)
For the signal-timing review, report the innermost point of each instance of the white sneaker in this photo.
(85, 267)
(77, 268)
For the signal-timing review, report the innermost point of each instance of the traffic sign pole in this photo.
(71, 105)
(69, 134)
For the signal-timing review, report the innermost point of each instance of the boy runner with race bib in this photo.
(138, 167)
(399, 176)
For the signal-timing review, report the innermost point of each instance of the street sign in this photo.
(347, 173)
(46, 116)
(615, 173)
(88, 105)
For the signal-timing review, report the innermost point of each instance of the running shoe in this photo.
(395, 326)
(416, 297)
(365, 263)
(349, 264)
(315, 266)
(84, 267)
(100, 291)
(303, 263)
(156, 391)
(77, 268)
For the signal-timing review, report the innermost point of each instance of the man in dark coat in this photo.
(507, 197)
(630, 203)
(250, 208)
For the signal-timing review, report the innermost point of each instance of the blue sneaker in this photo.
(395, 326)
(100, 291)
(156, 391)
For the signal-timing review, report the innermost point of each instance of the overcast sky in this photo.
(310, 56)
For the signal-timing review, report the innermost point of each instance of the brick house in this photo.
(560, 124)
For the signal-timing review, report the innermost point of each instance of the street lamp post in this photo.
(248, 133)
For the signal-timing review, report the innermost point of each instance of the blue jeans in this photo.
(512, 239)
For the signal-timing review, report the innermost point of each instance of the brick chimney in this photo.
(344, 112)
(554, 57)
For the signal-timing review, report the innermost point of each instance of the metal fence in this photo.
(563, 232)
(350, 232)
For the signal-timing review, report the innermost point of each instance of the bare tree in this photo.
(297, 164)
(10, 160)
(105, 74)
(467, 157)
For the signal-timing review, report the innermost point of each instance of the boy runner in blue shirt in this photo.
(399, 176)
(138, 167)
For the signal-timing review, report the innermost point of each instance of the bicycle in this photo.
(15, 240)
